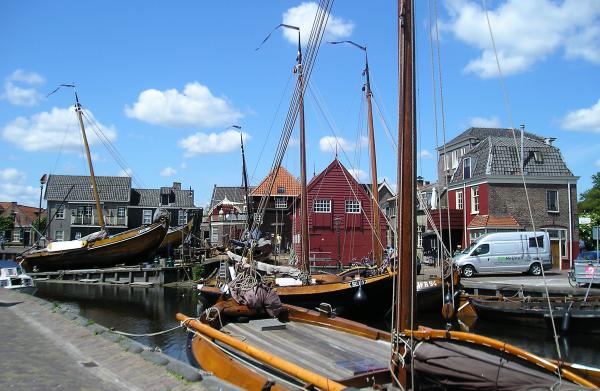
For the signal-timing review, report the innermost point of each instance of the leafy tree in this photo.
(6, 224)
(589, 206)
(40, 225)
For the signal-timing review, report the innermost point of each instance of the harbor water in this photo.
(148, 310)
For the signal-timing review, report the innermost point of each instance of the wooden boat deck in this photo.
(328, 352)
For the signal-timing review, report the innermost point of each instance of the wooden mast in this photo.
(376, 237)
(405, 201)
(89, 159)
(303, 192)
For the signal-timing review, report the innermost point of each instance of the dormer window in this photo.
(164, 199)
(467, 168)
(281, 190)
(538, 157)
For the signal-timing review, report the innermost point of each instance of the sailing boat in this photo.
(98, 249)
(308, 349)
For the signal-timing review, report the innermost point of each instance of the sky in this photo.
(163, 83)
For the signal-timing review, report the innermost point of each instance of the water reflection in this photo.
(147, 310)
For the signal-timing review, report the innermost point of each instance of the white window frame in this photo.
(322, 206)
(77, 235)
(548, 203)
(88, 211)
(353, 207)
(470, 165)
(60, 213)
(147, 216)
(121, 212)
(182, 217)
(475, 200)
(56, 235)
(459, 200)
(280, 203)
(16, 235)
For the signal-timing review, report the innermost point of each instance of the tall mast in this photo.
(405, 200)
(303, 192)
(377, 249)
(249, 214)
(89, 159)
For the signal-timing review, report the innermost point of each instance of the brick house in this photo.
(21, 233)
(71, 203)
(486, 192)
(339, 217)
(280, 202)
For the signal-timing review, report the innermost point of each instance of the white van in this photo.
(506, 252)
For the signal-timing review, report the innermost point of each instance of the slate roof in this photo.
(110, 188)
(151, 197)
(499, 156)
(492, 221)
(483, 133)
(283, 179)
(233, 194)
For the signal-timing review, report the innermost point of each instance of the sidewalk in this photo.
(44, 349)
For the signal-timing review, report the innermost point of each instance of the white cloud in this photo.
(358, 174)
(303, 16)
(525, 32)
(183, 165)
(126, 172)
(168, 171)
(14, 188)
(196, 106)
(583, 119)
(425, 154)
(48, 131)
(20, 95)
(202, 143)
(329, 143)
(598, 163)
(483, 122)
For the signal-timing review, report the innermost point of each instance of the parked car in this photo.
(593, 255)
(502, 252)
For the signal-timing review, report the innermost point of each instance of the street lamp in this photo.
(337, 223)
(43, 181)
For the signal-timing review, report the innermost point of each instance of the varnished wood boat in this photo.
(174, 237)
(99, 249)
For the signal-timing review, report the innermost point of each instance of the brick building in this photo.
(486, 192)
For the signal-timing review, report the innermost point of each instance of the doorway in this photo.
(555, 253)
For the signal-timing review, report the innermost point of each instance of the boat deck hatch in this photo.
(361, 365)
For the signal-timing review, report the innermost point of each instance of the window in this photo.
(539, 240)
(77, 235)
(16, 235)
(467, 168)
(454, 158)
(322, 206)
(121, 212)
(88, 211)
(538, 157)
(280, 202)
(80, 210)
(475, 234)
(475, 199)
(182, 217)
(164, 199)
(281, 190)
(147, 216)
(59, 235)
(352, 206)
(552, 200)
(420, 230)
(459, 199)
(60, 213)
(214, 235)
(481, 250)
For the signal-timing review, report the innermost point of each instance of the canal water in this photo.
(148, 310)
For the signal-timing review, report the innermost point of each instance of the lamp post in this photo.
(337, 222)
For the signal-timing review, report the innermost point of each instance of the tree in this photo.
(589, 206)
(40, 225)
(6, 224)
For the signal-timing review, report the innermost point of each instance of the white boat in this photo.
(12, 276)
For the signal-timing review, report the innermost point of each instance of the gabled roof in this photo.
(152, 197)
(383, 185)
(498, 156)
(491, 221)
(284, 180)
(110, 188)
(336, 163)
(483, 133)
(24, 215)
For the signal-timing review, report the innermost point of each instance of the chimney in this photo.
(419, 181)
(176, 185)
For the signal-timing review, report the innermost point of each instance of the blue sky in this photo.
(165, 82)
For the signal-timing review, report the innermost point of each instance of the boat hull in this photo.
(130, 248)
(585, 320)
